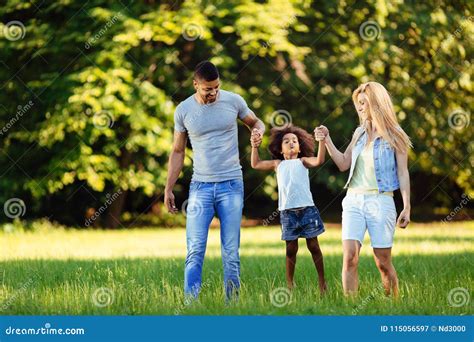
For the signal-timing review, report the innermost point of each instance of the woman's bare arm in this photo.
(342, 160)
(404, 179)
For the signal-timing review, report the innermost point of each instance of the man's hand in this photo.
(169, 202)
(256, 137)
(259, 131)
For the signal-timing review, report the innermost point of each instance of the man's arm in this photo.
(175, 165)
(252, 123)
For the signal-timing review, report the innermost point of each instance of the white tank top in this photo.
(293, 185)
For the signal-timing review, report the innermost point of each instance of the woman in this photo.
(377, 158)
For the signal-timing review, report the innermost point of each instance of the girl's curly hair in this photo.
(305, 140)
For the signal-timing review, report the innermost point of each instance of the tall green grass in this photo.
(136, 272)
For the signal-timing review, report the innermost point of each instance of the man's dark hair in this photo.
(206, 71)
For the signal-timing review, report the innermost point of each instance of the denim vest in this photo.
(385, 163)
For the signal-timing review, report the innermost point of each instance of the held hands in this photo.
(256, 138)
(320, 133)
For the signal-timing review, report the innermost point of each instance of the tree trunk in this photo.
(112, 219)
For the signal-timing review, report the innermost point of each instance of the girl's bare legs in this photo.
(313, 247)
(291, 250)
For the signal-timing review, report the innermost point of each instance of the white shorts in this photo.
(375, 212)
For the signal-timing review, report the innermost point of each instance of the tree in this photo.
(89, 90)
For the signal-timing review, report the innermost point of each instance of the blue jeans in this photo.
(205, 200)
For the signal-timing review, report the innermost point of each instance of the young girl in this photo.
(293, 151)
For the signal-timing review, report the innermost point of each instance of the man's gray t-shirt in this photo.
(212, 131)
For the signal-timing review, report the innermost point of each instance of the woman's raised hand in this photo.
(320, 133)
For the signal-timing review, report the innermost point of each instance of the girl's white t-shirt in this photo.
(293, 185)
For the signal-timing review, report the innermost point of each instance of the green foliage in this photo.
(97, 83)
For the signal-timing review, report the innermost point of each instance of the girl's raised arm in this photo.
(319, 159)
(257, 164)
(264, 165)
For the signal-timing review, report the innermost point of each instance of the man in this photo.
(208, 117)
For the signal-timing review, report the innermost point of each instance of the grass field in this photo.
(135, 272)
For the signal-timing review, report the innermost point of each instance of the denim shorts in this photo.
(305, 223)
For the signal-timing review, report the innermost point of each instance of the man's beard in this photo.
(207, 99)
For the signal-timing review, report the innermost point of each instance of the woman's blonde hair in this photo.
(382, 115)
